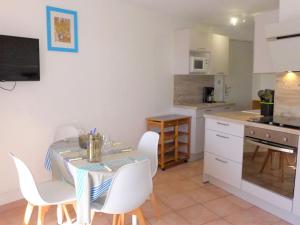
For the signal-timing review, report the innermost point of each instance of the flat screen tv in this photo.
(19, 59)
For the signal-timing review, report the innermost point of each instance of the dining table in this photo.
(68, 162)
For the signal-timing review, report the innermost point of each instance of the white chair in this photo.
(148, 144)
(43, 195)
(66, 131)
(129, 189)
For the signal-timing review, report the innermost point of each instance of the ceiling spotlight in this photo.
(244, 20)
(234, 21)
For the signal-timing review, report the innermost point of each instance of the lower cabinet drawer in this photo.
(224, 145)
(223, 169)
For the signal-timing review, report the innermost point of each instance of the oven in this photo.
(269, 159)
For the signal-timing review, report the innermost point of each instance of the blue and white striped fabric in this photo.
(81, 175)
(47, 162)
(100, 190)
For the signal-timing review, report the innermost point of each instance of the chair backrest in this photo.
(66, 131)
(149, 145)
(27, 184)
(130, 188)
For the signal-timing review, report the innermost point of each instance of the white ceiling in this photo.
(210, 12)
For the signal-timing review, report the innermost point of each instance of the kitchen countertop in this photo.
(241, 117)
(204, 105)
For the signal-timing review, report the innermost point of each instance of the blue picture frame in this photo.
(51, 46)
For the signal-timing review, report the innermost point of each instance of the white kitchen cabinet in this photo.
(224, 145)
(223, 151)
(262, 59)
(199, 40)
(225, 127)
(219, 54)
(223, 169)
(187, 40)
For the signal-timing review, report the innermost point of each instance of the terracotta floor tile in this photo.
(216, 190)
(218, 222)
(197, 180)
(169, 219)
(202, 195)
(222, 207)
(250, 216)
(197, 215)
(185, 186)
(149, 211)
(240, 202)
(177, 201)
(282, 222)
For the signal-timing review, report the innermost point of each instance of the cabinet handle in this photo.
(207, 110)
(223, 124)
(220, 160)
(221, 136)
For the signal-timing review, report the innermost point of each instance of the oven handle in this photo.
(286, 150)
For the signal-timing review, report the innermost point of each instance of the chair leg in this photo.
(60, 215)
(74, 206)
(69, 220)
(41, 214)
(138, 212)
(28, 213)
(155, 205)
(122, 219)
(115, 219)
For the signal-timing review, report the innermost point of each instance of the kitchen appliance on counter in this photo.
(269, 159)
(266, 102)
(208, 95)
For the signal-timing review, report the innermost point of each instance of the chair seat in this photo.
(56, 192)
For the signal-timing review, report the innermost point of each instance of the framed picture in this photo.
(62, 31)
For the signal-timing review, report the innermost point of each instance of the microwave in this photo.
(199, 64)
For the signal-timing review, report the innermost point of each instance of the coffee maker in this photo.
(208, 94)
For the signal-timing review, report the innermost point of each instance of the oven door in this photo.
(270, 165)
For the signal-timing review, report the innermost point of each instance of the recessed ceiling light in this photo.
(234, 21)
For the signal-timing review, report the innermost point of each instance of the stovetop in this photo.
(280, 121)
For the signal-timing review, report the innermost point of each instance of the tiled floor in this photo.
(184, 200)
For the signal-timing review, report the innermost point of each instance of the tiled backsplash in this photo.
(287, 95)
(188, 89)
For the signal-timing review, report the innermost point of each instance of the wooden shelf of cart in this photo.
(175, 138)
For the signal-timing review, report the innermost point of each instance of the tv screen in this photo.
(19, 59)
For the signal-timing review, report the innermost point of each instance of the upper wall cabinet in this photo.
(262, 58)
(196, 40)
(219, 54)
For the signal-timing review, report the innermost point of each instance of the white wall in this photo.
(262, 81)
(239, 79)
(120, 76)
(289, 9)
